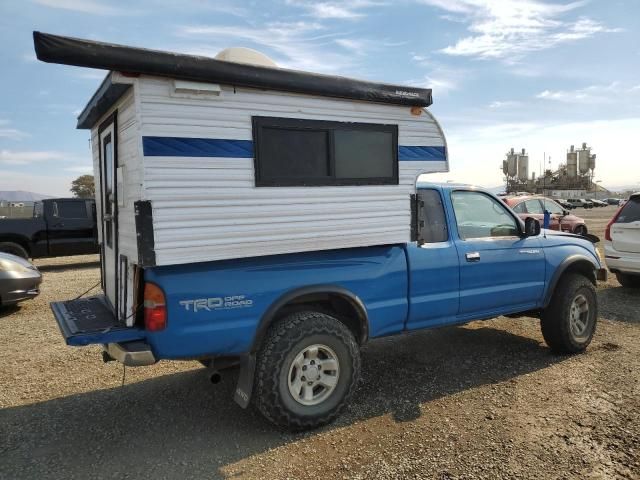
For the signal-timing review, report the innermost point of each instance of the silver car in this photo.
(19, 279)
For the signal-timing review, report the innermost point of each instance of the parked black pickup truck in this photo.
(59, 227)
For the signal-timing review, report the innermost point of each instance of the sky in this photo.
(534, 74)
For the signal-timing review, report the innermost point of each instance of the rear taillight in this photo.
(155, 308)
(607, 231)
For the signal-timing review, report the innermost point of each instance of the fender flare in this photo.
(269, 316)
(244, 387)
(568, 262)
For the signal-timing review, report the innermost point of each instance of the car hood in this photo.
(16, 259)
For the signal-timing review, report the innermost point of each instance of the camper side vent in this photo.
(187, 89)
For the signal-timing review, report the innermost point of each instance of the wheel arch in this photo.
(346, 306)
(572, 264)
(18, 240)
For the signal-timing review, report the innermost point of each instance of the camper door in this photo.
(109, 213)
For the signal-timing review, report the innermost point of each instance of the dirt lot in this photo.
(487, 400)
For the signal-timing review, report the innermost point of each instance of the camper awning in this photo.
(121, 58)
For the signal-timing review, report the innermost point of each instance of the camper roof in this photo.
(121, 58)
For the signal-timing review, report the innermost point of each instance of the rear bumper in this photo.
(623, 262)
(131, 354)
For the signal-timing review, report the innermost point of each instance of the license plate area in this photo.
(90, 320)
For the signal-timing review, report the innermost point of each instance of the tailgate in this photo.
(625, 231)
(626, 237)
(89, 320)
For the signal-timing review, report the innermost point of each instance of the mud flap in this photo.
(244, 388)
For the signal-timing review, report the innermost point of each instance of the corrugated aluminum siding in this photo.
(209, 209)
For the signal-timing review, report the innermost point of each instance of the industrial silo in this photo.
(512, 163)
(583, 159)
(523, 166)
(572, 163)
(592, 162)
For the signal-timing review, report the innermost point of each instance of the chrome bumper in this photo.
(131, 354)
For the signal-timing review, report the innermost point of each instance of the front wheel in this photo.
(306, 370)
(569, 321)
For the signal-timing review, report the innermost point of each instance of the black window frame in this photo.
(260, 122)
(60, 203)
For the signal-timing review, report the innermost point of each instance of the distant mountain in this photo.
(624, 188)
(22, 196)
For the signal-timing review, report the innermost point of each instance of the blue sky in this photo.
(505, 73)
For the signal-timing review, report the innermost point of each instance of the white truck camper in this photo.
(199, 159)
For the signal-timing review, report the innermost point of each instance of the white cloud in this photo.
(441, 78)
(511, 28)
(356, 46)
(613, 92)
(297, 45)
(92, 7)
(6, 131)
(336, 10)
(504, 104)
(80, 169)
(9, 157)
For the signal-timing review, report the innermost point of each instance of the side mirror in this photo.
(531, 227)
(565, 212)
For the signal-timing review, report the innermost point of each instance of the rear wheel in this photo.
(14, 249)
(569, 322)
(628, 281)
(306, 370)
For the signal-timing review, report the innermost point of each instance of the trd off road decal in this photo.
(216, 303)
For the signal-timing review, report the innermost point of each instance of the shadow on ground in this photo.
(64, 267)
(7, 310)
(618, 303)
(179, 426)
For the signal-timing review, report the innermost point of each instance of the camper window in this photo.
(295, 152)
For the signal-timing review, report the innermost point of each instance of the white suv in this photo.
(622, 243)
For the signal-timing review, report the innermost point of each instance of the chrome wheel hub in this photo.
(313, 374)
(579, 316)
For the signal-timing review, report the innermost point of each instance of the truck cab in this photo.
(58, 227)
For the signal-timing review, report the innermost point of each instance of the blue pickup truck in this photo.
(295, 323)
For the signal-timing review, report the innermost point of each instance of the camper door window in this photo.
(296, 152)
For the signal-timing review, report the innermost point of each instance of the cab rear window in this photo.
(630, 212)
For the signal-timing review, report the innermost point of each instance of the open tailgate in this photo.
(90, 320)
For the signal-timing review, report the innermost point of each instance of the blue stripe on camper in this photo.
(217, 147)
(196, 147)
(421, 154)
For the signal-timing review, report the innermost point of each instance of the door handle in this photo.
(472, 256)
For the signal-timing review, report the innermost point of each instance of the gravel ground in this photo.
(486, 400)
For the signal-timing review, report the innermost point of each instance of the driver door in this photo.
(500, 271)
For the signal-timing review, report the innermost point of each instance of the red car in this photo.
(561, 219)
